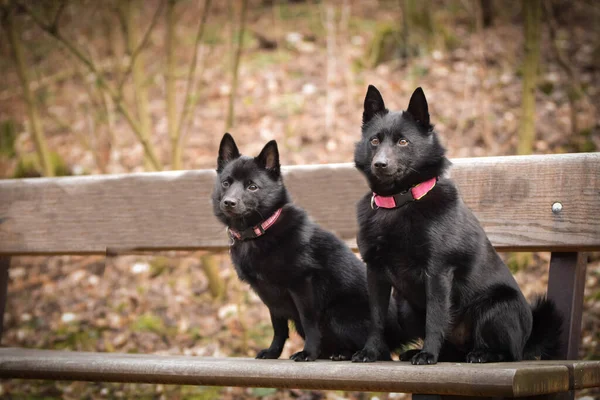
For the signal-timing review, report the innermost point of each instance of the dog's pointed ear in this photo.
(417, 107)
(269, 157)
(373, 104)
(228, 151)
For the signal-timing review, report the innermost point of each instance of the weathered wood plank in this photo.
(512, 197)
(4, 264)
(505, 379)
(566, 284)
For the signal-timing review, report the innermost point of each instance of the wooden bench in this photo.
(526, 203)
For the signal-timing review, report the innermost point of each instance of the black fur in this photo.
(452, 288)
(300, 271)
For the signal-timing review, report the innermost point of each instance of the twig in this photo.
(482, 103)
(170, 80)
(44, 81)
(532, 10)
(32, 110)
(110, 118)
(331, 68)
(575, 90)
(142, 44)
(61, 8)
(195, 100)
(191, 83)
(406, 52)
(141, 94)
(236, 64)
(116, 96)
(344, 33)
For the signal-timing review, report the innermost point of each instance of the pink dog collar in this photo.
(401, 199)
(255, 231)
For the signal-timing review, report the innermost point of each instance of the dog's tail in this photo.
(545, 339)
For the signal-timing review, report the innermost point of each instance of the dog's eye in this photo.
(252, 187)
(225, 184)
(375, 142)
(402, 142)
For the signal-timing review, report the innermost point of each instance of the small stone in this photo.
(293, 37)
(224, 90)
(308, 89)
(76, 276)
(21, 335)
(140, 267)
(229, 310)
(16, 273)
(357, 40)
(78, 169)
(68, 317)
(120, 339)
(331, 145)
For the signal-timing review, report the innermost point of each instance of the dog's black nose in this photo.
(229, 203)
(380, 164)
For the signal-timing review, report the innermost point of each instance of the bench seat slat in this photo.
(505, 379)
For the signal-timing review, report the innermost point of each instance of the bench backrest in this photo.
(511, 196)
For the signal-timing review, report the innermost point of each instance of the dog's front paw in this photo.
(424, 358)
(303, 356)
(367, 355)
(268, 354)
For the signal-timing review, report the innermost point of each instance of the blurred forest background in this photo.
(102, 87)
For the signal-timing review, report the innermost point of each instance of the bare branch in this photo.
(58, 14)
(118, 9)
(37, 131)
(170, 76)
(532, 12)
(575, 90)
(142, 44)
(52, 32)
(191, 82)
(194, 100)
(236, 64)
(116, 96)
(560, 57)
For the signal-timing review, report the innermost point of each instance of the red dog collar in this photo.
(255, 231)
(401, 199)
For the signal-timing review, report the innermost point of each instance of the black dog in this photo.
(300, 271)
(417, 236)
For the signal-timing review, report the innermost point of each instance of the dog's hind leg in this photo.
(496, 340)
(346, 325)
(500, 328)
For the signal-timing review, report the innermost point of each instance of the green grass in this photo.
(149, 323)
(8, 136)
(518, 261)
(158, 266)
(77, 337)
(28, 166)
